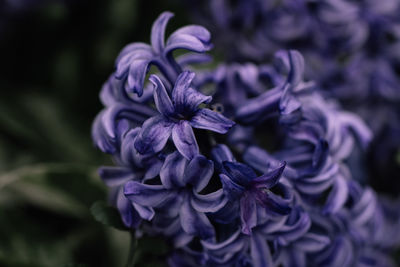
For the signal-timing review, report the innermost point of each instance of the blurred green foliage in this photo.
(54, 59)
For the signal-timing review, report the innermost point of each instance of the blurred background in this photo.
(55, 56)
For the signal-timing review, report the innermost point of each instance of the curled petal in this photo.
(153, 135)
(161, 97)
(184, 139)
(355, 123)
(129, 215)
(364, 207)
(221, 153)
(248, 214)
(105, 128)
(259, 108)
(130, 53)
(292, 62)
(296, 72)
(181, 85)
(144, 194)
(260, 252)
(198, 172)
(239, 173)
(233, 244)
(194, 222)
(212, 202)
(269, 179)
(290, 107)
(339, 253)
(192, 58)
(273, 203)
(172, 172)
(158, 31)
(146, 213)
(179, 237)
(193, 38)
(297, 225)
(187, 99)
(311, 242)
(231, 189)
(211, 120)
(337, 197)
(260, 160)
(137, 73)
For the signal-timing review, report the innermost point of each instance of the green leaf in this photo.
(107, 215)
(40, 185)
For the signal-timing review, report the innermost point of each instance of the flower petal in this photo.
(128, 214)
(105, 128)
(184, 139)
(355, 123)
(172, 171)
(193, 38)
(194, 222)
(146, 213)
(161, 97)
(239, 173)
(212, 202)
(260, 253)
(269, 179)
(292, 62)
(128, 54)
(337, 197)
(274, 203)
(211, 120)
(198, 172)
(298, 223)
(259, 108)
(153, 135)
(144, 194)
(158, 31)
(224, 251)
(248, 213)
(232, 190)
(221, 153)
(181, 85)
(311, 242)
(187, 99)
(137, 73)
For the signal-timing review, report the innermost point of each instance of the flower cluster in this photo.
(262, 171)
(351, 49)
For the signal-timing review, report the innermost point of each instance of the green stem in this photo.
(132, 248)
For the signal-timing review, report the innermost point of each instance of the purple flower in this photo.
(241, 182)
(178, 114)
(182, 181)
(135, 59)
(112, 121)
(133, 166)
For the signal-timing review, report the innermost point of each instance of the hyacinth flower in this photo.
(294, 241)
(215, 210)
(178, 114)
(182, 180)
(241, 182)
(133, 166)
(135, 59)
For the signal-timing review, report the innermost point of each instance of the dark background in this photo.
(55, 56)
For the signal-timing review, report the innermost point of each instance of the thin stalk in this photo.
(132, 249)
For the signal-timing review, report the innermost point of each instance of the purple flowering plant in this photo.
(267, 179)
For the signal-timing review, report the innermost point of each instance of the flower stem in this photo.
(132, 249)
